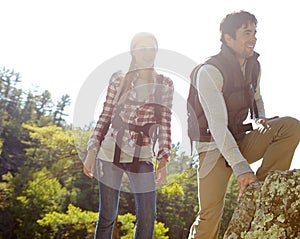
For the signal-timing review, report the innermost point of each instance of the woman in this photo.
(136, 112)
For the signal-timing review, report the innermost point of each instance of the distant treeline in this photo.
(43, 191)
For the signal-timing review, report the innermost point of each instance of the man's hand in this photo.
(161, 173)
(89, 163)
(244, 180)
(265, 120)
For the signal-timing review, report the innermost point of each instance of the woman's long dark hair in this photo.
(132, 74)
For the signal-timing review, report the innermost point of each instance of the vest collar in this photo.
(230, 55)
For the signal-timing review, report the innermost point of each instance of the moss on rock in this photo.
(269, 209)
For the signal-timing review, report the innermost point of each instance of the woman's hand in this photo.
(89, 163)
(161, 173)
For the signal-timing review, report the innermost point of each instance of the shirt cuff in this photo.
(162, 155)
(241, 168)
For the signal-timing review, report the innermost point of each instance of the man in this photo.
(228, 89)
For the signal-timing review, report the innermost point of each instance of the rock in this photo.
(269, 209)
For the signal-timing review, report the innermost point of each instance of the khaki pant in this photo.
(275, 143)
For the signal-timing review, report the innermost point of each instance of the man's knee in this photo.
(294, 126)
(290, 125)
(291, 122)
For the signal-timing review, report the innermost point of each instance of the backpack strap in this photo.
(253, 108)
(194, 73)
(158, 108)
(193, 94)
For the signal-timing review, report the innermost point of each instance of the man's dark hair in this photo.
(233, 21)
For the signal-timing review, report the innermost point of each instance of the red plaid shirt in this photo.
(137, 114)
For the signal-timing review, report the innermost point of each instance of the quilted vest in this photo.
(238, 91)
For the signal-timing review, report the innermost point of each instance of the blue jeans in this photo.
(142, 185)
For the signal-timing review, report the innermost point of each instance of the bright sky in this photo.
(57, 44)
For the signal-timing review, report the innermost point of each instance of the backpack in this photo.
(150, 129)
(193, 108)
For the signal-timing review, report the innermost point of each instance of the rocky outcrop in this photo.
(269, 209)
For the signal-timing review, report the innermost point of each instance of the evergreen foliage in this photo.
(43, 191)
